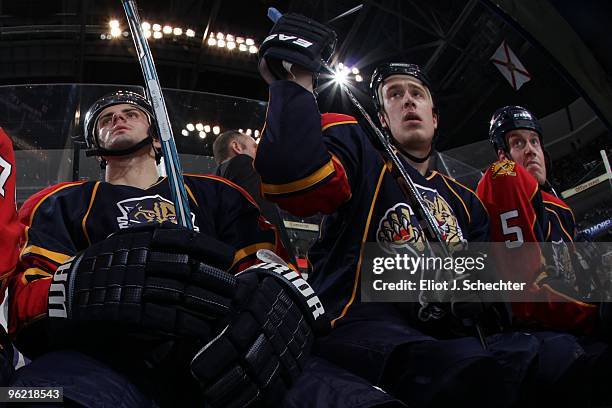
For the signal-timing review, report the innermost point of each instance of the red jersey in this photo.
(521, 212)
(9, 227)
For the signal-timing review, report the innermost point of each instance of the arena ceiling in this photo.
(59, 41)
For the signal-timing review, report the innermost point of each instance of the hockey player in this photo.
(9, 238)
(516, 193)
(106, 276)
(524, 209)
(327, 164)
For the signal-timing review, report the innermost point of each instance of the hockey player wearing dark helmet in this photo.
(114, 302)
(402, 96)
(516, 135)
(113, 115)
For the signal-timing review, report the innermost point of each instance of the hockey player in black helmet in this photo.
(392, 80)
(135, 105)
(114, 302)
(516, 135)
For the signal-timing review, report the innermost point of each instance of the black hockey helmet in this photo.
(510, 118)
(116, 98)
(387, 69)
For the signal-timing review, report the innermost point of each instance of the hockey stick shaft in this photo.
(155, 96)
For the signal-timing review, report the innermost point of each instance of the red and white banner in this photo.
(509, 65)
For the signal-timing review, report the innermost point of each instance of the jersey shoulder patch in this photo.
(503, 168)
(332, 119)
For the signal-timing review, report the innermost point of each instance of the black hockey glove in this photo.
(157, 280)
(297, 40)
(262, 350)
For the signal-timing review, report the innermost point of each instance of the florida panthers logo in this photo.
(503, 168)
(399, 229)
(146, 209)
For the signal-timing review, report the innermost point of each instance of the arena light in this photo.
(185, 132)
(113, 23)
(343, 73)
(167, 30)
(146, 26)
(212, 42)
(231, 45)
(190, 127)
(147, 34)
(177, 31)
(242, 47)
(256, 133)
(250, 41)
(216, 130)
(249, 132)
(220, 36)
(199, 127)
(202, 135)
(157, 35)
(190, 33)
(239, 40)
(115, 32)
(253, 49)
(207, 128)
(220, 43)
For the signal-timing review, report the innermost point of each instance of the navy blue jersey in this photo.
(67, 218)
(312, 163)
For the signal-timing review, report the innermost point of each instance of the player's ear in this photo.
(235, 147)
(434, 115)
(501, 155)
(382, 118)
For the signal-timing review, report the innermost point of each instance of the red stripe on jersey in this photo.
(331, 119)
(325, 198)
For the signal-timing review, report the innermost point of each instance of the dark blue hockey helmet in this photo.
(387, 69)
(509, 118)
(115, 98)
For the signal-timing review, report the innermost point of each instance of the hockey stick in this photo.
(413, 195)
(164, 129)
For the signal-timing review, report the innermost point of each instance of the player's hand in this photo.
(156, 280)
(262, 350)
(295, 40)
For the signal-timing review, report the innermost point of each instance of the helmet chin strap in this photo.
(412, 157)
(122, 152)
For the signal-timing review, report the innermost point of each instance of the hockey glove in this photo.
(155, 280)
(262, 350)
(296, 39)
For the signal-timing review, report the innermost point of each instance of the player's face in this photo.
(121, 126)
(408, 112)
(526, 150)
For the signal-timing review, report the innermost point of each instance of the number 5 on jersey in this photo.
(513, 233)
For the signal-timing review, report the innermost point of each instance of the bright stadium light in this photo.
(249, 132)
(115, 32)
(114, 23)
(340, 76)
(253, 49)
(242, 47)
(220, 36)
(157, 35)
(202, 135)
(221, 43)
(167, 30)
(216, 130)
(212, 42)
(147, 34)
(146, 26)
(358, 78)
(250, 41)
(256, 133)
(190, 127)
(355, 71)
(239, 40)
(199, 127)
(229, 37)
(190, 33)
(231, 45)
(157, 27)
(207, 128)
(185, 132)
(177, 31)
